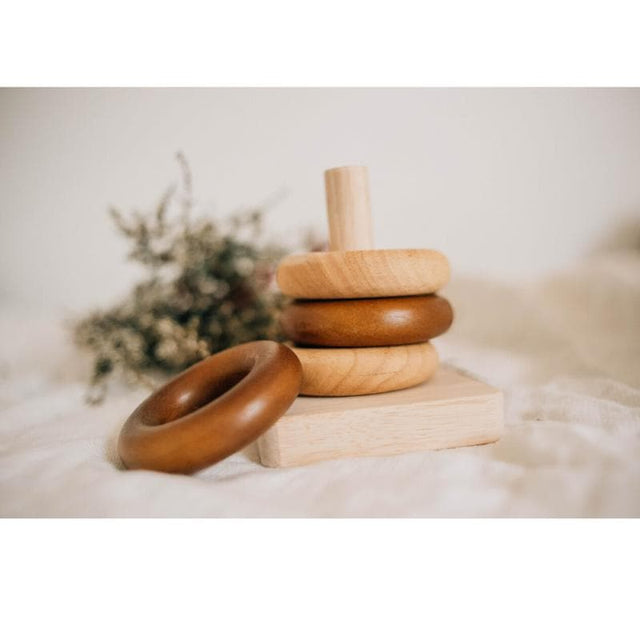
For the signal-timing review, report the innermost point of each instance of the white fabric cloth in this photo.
(566, 352)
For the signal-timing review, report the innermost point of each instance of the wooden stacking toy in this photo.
(382, 309)
(360, 325)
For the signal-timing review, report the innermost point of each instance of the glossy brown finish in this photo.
(212, 409)
(373, 322)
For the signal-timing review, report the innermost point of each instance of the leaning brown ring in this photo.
(211, 410)
(374, 322)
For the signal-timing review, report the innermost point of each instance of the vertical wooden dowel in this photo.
(348, 209)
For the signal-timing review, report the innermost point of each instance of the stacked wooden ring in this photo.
(362, 318)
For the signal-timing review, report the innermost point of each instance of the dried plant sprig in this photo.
(208, 286)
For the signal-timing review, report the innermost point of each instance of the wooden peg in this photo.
(348, 208)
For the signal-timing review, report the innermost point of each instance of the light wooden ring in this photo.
(211, 410)
(374, 273)
(366, 322)
(354, 372)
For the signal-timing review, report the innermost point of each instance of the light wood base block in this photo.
(452, 410)
(358, 371)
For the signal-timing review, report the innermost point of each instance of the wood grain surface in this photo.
(348, 208)
(212, 409)
(378, 273)
(358, 371)
(367, 322)
(451, 410)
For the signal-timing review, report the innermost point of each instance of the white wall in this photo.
(509, 183)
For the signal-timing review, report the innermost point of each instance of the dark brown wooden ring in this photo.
(372, 322)
(211, 410)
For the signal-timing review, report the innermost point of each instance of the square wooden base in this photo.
(451, 410)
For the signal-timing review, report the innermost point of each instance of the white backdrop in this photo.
(509, 183)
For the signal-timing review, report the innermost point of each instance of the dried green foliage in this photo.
(209, 286)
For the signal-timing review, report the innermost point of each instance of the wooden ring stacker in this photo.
(367, 370)
(352, 268)
(211, 410)
(369, 322)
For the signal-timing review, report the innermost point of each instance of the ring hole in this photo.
(196, 396)
(205, 394)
